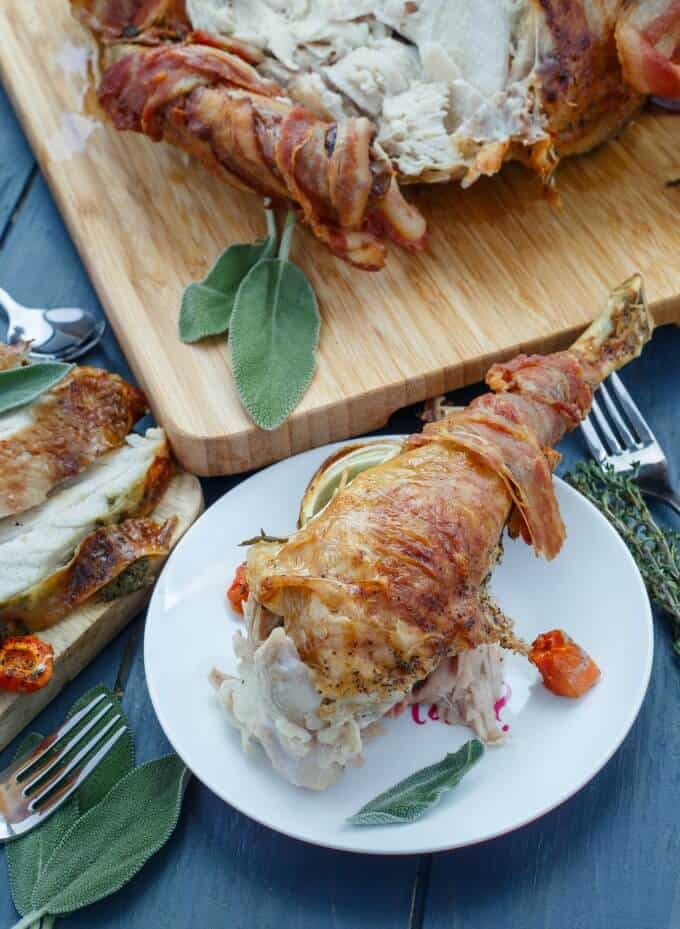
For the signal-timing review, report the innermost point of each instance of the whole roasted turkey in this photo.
(330, 103)
(382, 597)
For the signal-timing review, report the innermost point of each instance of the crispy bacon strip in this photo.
(648, 40)
(146, 21)
(491, 433)
(100, 558)
(216, 106)
(557, 380)
(537, 399)
(84, 416)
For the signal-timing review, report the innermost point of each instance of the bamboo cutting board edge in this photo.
(204, 455)
(412, 332)
(79, 637)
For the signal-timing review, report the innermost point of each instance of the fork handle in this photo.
(666, 496)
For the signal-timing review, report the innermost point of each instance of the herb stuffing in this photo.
(133, 578)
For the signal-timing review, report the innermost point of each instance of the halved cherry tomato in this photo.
(26, 663)
(566, 669)
(239, 590)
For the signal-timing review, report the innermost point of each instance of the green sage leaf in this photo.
(109, 844)
(411, 798)
(274, 334)
(119, 761)
(206, 307)
(19, 386)
(27, 856)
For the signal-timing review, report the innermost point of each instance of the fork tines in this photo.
(621, 427)
(58, 765)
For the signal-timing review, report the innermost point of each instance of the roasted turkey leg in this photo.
(374, 596)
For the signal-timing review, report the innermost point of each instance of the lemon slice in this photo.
(339, 470)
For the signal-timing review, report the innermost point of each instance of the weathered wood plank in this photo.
(16, 162)
(609, 856)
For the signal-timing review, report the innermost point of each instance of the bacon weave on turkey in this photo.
(330, 104)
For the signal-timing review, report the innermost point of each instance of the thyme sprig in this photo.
(655, 550)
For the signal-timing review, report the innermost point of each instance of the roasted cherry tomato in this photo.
(26, 663)
(239, 590)
(565, 667)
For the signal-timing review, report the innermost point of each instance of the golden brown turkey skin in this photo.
(605, 56)
(100, 558)
(375, 591)
(585, 97)
(386, 581)
(86, 415)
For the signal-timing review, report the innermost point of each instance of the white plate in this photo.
(554, 746)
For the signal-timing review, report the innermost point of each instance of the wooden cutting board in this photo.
(503, 270)
(84, 633)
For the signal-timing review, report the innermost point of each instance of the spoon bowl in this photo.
(58, 334)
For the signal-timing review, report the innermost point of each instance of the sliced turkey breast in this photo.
(86, 415)
(126, 483)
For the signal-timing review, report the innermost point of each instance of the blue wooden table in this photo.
(609, 858)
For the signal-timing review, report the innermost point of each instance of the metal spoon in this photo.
(60, 334)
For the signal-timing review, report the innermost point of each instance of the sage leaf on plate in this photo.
(109, 844)
(274, 334)
(411, 798)
(19, 386)
(27, 856)
(207, 306)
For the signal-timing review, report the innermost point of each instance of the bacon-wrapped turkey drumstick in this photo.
(382, 598)
(205, 97)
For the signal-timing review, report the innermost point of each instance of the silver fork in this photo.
(39, 782)
(618, 435)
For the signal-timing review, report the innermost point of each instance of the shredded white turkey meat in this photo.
(466, 688)
(442, 80)
(272, 701)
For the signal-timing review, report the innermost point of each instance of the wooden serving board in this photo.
(84, 633)
(503, 270)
